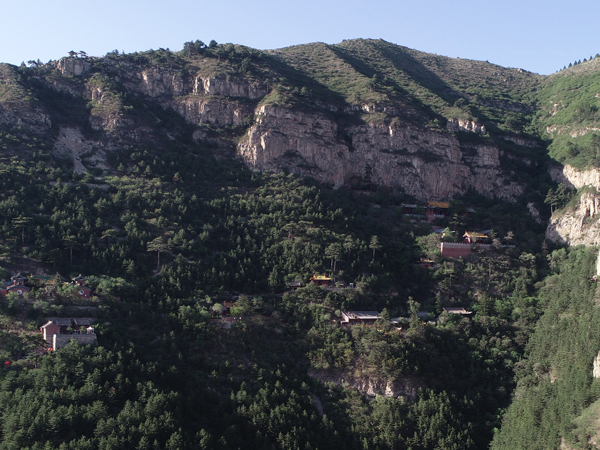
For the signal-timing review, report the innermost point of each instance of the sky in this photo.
(539, 36)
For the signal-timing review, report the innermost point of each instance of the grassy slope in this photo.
(568, 114)
(375, 70)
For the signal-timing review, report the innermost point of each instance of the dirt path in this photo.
(318, 404)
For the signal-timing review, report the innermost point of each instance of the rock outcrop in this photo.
(522, 141)
(596, 372)
(465, 125)
(70, 143)
(427, 164)
(223, 87)
(200, 100)
(424, 163)
(578, 225)
(199, 110)
(73, 66)
(31, 118)
(407, 388)
(574, 177)
(534, 212)
(376, 142)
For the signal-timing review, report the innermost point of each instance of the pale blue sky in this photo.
(540, 36)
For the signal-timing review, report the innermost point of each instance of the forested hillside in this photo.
(223, 230)
(556, 396)
(200, 191)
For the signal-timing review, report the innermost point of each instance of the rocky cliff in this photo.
(406, 388)
(425, 163)
(578, 223)
(280, 113)
(574, 177)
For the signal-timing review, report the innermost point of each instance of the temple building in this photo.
(321, 280)
(17, 285)
(82, 290)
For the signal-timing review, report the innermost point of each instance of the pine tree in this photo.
(158, 245)
(374, 245)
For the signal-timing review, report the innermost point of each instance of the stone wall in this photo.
(457, 250)
(60, 340)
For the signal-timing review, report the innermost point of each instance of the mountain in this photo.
(186, 186)
(360, 111)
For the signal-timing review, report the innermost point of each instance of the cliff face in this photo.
(407, 388)
(342, 141)
(577, 178)
(200, 100)
(427, 164)
(29, 117)
(578, 224)
(465, 125)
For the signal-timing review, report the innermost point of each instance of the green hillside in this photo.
(104, 175)
(556, 394)
(568, 114)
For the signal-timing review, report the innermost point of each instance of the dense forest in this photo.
(222, 230)
(170, 228)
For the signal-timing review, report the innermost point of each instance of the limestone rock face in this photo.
(579, 225)
(465, 125)
(73, 66)
(70, 143)
(220, 86)
(430, 164)
(28, 117)
(200, 110)
(534, 212)
(572, 176)
(425, 163)
(597, 366)
(519, 140)
(200, 100)
(160, 81)
(407, 388)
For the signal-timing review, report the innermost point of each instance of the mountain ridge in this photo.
(355, 87)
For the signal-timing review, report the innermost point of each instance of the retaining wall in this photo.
(60, 340)
(456, 250)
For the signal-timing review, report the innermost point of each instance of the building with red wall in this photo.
(82, 290)
(16, 285)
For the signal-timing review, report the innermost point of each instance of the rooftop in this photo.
(475, 234)
(443, 205)
(456, 310)
(321, 277)
(362, 315)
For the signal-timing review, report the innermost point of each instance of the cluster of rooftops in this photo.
(17, 285)
(433, 210)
